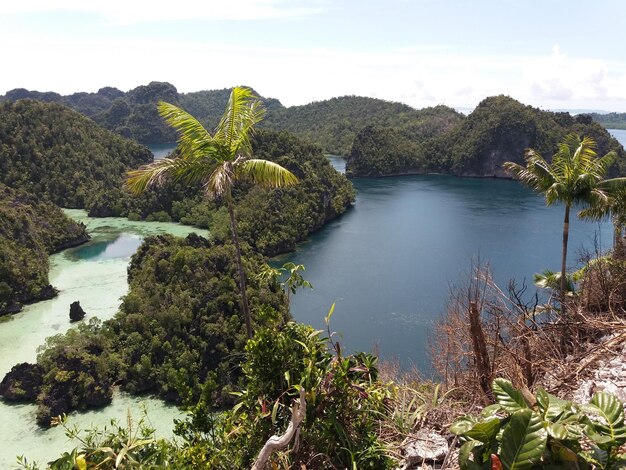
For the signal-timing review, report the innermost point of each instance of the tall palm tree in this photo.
(216, 161)
(575, 176)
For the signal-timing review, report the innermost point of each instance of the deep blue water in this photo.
(389, 262)
(161, 150)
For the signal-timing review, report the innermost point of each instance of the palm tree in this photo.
(575, 176)
(216, 161)
(615, 209)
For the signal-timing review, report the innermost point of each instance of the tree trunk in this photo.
(618, 242)
(564, 258)
(245, 307)
(565, 336)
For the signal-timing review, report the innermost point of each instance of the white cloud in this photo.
(417, 76)
(140, 11)
(561, 78)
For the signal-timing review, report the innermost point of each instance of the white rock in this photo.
(426, 446)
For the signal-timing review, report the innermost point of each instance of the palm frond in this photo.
(615, 186)
(243, 111)
(597, 212)
(159, 171)
(193, 138)
(265, 173)
(599, 167)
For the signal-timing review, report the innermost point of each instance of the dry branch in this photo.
(298, 413)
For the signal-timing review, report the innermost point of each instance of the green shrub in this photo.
(547, 433)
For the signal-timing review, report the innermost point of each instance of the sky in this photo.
(554, 54)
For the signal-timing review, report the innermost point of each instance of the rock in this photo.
(426, 446)
(47, 293)
(76, 312)
(22, 383)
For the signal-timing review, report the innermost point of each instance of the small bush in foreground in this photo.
(542, 432)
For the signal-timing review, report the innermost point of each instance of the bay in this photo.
(389, 262)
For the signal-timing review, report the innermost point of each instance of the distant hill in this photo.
(498, 130)
(60, 155)
(331, 124)
(30, 229)
(610, 120)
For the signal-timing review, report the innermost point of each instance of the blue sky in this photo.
(553, 54)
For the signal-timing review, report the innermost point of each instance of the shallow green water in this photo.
(95, 275)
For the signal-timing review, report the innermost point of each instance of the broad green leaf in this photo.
(274, 411)
(563, 453)
(508, 396)
(462, 425)
(484, 431)
(543, 400)
(490, 411)
(611, 410)
(557, 430)
(464, 455)
(523, 440)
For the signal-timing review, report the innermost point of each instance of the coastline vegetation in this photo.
(30, 230)
(287, 396)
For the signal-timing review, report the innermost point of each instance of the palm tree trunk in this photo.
(245, 307)
(564, 257)
(565, 335)
(618, 242)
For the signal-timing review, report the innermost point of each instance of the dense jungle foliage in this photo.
(344, 402)
(56, 153)
(610, 120)
(179, 332)
(498, 130)
(30, 230)
(271, 221)
(332, 124)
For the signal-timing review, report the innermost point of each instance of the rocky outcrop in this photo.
(76, 312)
(22, 383)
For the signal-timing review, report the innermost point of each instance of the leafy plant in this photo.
(545, 432)
(132, 446)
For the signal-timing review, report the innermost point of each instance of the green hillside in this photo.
(56, 153)
(610, 120)
(332, 124)
(30, 230)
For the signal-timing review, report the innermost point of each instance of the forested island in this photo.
(498, 130)
(181, 334)
(610, 120)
